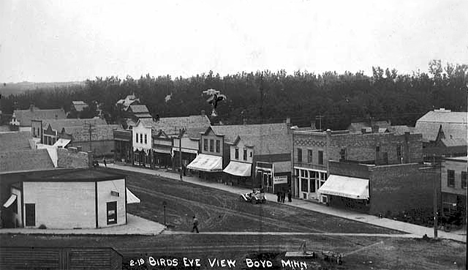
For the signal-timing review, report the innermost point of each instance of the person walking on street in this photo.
(289, 196)
(278, 194)
(105, 164)
(283, 195)
(195, 224)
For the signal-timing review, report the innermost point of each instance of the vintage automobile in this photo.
(256, 196)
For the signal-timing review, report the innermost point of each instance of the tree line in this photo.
(266, 96)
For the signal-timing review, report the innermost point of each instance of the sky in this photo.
(57, 41)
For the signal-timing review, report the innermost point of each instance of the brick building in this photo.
(312, 151)
(453, 184)
(379, 189)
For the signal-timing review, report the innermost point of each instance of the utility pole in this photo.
(180, 153)
(90, 128)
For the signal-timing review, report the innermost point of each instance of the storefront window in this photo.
(312, 185)
(304, 185)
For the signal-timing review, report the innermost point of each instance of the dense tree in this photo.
(267, 96)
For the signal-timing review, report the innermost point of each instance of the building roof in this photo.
(78, 175)
(400, 129)
(231, 132)
(465, 159)
(79, 105)
(61, 123)
(98, 133)
(453, 142)
(23, 160)
(358, 126)
(268, 144)
(25, 116)
(14, 141)
(137, 109)
(171, 125)
(454, 124)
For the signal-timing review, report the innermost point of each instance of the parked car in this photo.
(256, 196)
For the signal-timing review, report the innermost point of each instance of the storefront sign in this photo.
(280, 179)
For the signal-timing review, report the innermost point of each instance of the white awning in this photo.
(131, 198)
(162, 150)
(61, 143)
(238, 168)
(10, 201)
(207, 163)
(343, 186)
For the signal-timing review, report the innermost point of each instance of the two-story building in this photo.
(312, 151)
(453, 184)
(153, 139)
(247, 153)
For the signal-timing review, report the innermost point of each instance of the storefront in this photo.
(308, 181)
(208, 166)
(346, 192)
(239, 173)
(273, 177)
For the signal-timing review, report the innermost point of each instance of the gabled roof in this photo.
(231, 132)
(61, 123)
(172, 125)
(25, 116)
(79, 105)
(453, 142)
(454, 124)
(22, 160)
(139, 109)
(14, 141)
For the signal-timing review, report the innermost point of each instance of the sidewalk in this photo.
(135, 226)
(382, 222)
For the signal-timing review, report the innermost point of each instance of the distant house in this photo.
(78, 106)
(87, 199)
(137, 112)
(25, 117)
(444, 133)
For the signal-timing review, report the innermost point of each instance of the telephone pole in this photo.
(90, 128)
(180, 153)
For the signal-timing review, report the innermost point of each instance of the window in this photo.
(245, 154)
(251, 154)
(463, 180)
(309, 156)
(450, 178)
(205, 144)
(146, 140)
(111, 213)
(30, 214)
(141, 138)
(211, 145)
(320, 157)
(343, 154)
(136, 137)
(299, 155)
(236, 154)
(312, 185)
(304, 185)
(398, 151)
(218, 146)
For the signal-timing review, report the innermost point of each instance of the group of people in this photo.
(281, 194)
